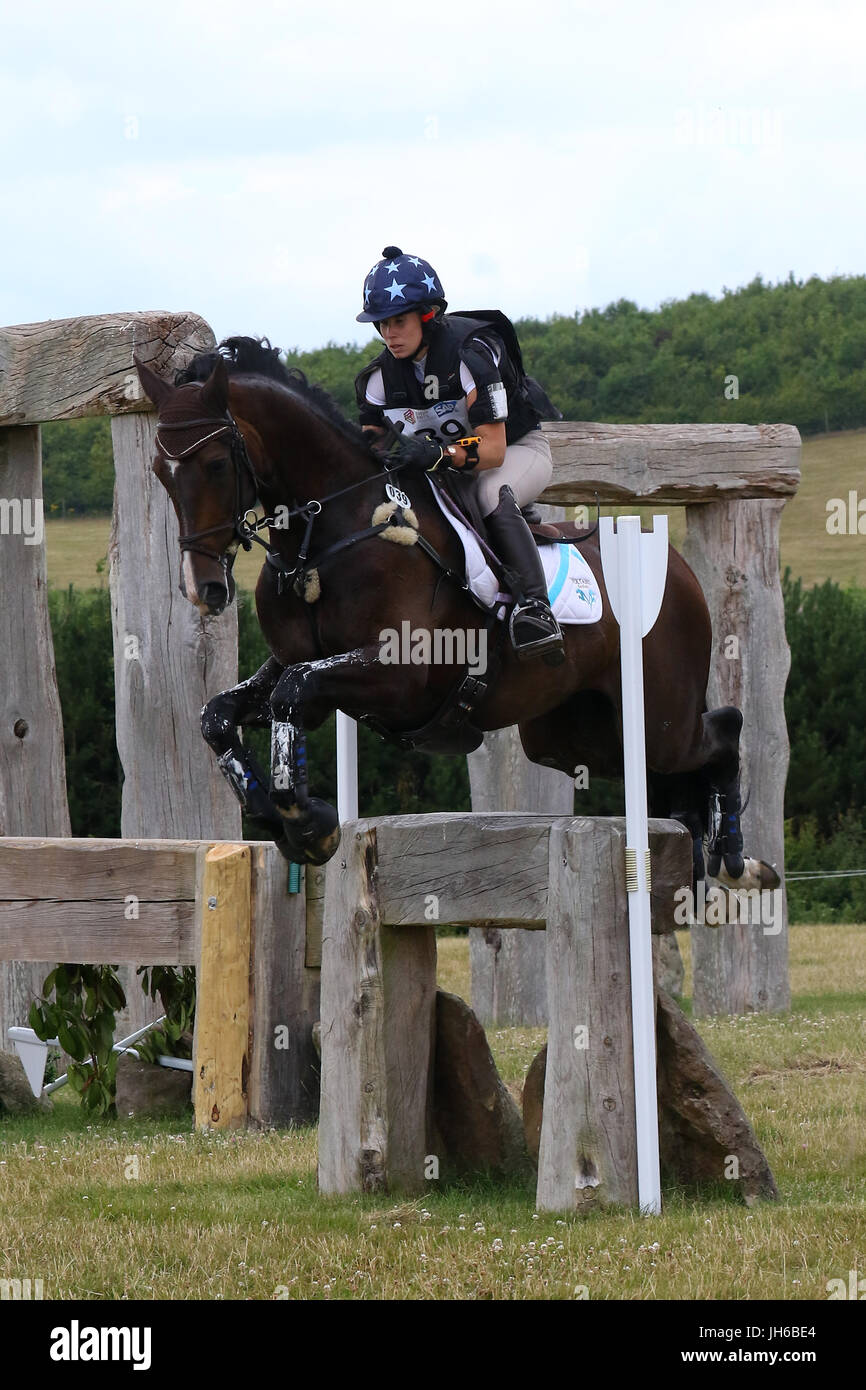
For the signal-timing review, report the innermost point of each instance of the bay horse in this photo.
(237, 428)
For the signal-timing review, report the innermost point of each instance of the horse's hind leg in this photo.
(722, 728)
(684, 797)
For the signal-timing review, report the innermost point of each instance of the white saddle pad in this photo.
(571, 586)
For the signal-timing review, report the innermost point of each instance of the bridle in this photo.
(244, 523)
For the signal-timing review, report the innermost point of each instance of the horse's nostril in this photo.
(214, 595)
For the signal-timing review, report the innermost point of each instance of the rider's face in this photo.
(402, 334)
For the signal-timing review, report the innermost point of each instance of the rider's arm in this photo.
(491, 450)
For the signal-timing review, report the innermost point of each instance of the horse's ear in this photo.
(215, 392)
(157, 389)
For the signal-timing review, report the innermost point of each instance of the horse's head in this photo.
(202, 462)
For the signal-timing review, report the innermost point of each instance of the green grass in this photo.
(238, 1217)
(832, 465)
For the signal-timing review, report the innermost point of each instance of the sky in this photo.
(250, 162)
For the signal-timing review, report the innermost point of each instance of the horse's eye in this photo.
(216, 466)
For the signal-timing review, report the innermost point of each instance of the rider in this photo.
(448, 384)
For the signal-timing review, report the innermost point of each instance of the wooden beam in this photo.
(66, 368)
(670, 463)
(222, 1017)
(467, 869)
(81, 870)
(462, 869)
(97, 933)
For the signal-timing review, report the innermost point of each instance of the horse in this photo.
(236, 429)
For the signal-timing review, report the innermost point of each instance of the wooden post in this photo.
(222, 1018)
(733, 547)
(168, 662)
(378, 1002)
(509, 985)
(588, 1152)
(32, 768)
(284, 1069)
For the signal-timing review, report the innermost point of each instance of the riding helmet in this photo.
(397, 283)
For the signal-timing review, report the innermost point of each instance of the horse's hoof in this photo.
(735, 866)
(755, 874)
(768, 876)
(311, 835)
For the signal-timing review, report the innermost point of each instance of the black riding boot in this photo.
(534, 630)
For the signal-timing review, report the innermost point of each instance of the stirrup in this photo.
(548, 644)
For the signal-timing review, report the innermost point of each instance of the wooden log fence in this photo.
(220, 907)
(394, 879)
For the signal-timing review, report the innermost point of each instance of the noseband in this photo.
(244, 523)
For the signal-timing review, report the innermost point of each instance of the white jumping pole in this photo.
(347, 767)
(635, 573)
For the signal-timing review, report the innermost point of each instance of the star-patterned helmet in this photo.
(397, 283)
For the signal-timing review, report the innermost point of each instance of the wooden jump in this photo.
(394, 880)
(220, 907)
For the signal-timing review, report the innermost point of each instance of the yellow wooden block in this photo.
(222, 1022)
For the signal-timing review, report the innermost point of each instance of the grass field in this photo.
(238, 1217)
(833, 464)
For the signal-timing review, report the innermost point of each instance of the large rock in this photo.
(476, 1120)
(144, 1088)
(703, 1130)
(16, 1097)
(704, 1135)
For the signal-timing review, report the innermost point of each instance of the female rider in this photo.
(447, 383)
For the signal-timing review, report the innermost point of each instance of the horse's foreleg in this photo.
(304, 695)
(245, 704)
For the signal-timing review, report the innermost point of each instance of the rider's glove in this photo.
(418, 451)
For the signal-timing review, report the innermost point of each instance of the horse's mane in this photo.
(256, 357)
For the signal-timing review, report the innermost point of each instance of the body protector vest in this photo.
(436, 404)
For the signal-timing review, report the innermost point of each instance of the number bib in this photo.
(443, 420)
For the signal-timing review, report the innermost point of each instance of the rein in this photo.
(245, 525)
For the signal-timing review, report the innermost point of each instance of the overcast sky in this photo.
(250, 161)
